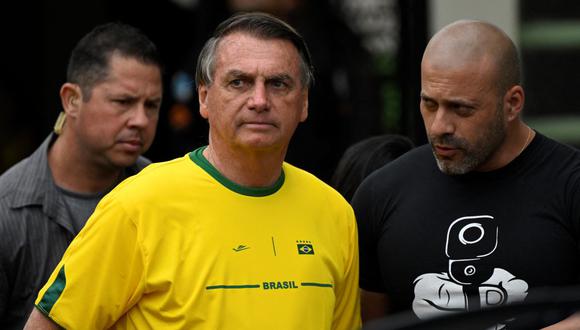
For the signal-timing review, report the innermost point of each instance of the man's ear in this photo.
(304, 113)
(514, 100)
(71, 98)
(202, 98)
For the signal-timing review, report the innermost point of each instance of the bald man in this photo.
(484, 215)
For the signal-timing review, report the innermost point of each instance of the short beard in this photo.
(476, 154)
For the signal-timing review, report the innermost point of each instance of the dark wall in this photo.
(34, 59)
(36, 41)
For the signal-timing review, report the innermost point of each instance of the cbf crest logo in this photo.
(304, 247)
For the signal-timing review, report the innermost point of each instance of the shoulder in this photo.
(304, 185)
(401, 177)
(546, 145)
(21, 179)
(554, 156)
(27, 174)
(411, 166)
(307, 181)
(140, 196)
(155, 176)
(11, 177)
(415, 159)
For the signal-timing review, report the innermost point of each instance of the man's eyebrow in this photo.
(155, 99)
(280, 76)
(425, 97)
(237, 74)
(122, 95)
(454, 101)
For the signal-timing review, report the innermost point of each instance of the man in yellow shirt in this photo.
(228, 236)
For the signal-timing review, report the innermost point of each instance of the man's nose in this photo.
(139, 117)
(442, 123)
(259, 100)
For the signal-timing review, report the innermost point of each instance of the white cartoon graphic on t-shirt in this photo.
(469, 284)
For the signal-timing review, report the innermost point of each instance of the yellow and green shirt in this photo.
(179, 246)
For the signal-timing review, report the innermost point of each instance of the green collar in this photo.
(197, 157)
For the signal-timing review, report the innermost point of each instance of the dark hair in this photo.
(262, 26)
(89, 60)
(364, 157)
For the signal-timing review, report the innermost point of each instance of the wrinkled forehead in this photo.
(456, 63)
(245, 39)
(467, 77)
(243, 48)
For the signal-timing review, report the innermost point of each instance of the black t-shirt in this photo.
(438, 244)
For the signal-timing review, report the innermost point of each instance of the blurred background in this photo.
(366, 55)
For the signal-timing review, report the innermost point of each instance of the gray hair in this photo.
(262, 26)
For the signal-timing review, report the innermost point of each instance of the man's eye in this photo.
(462, 110)
(429, 105)
(237, 83)
(278, 83)
(122, 101)
(152, 106)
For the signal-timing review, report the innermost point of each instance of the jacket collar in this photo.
(35, 185)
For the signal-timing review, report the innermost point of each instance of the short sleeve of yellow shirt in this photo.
(178, 246)
(100, 276)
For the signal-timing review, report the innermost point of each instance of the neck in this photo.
(246, 168)
(516, 141)
(72, 170)
(529, 137)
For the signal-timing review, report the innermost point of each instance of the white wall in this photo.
(503, 13)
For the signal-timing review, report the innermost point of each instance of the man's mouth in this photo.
(131, 145)
(445, 151)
